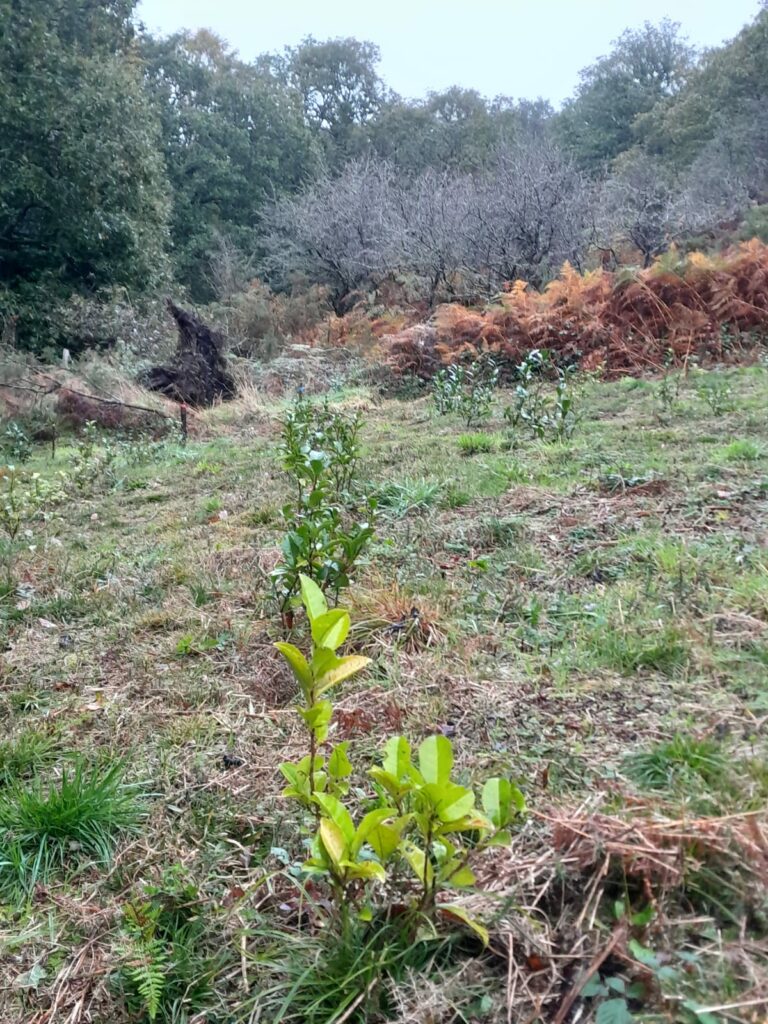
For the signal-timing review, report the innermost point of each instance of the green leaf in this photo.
(384, 839)
(642, 954)
(502, 838)
(457, 874)
(297, 663)
(317, 718)
(365, 869)
(450, 910)
(450, 802)
(699, 1011)
(339, 765)
(643, 917)
(338, 813)
(613, 1011)
(436, 759)
(389, 782)
(330, 629)
(397, 756)
(497, 801)
(333, 841)
(312, 598)
(369, 824)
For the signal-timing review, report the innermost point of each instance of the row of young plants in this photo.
(468, 390)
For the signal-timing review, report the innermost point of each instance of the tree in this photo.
(638, 205)
(82, 190)
(336, 232)
(644, 68)
(727, 85)
(533, 213)
(340, 91)
(429, 229)
(233, 136)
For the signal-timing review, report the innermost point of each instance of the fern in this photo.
(146, 956)
(147, 973)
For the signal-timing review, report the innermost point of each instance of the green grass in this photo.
(408, 496)
(478, 443)
(52, 827)
(682, 762)
(26, 755)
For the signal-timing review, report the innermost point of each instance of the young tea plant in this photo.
(545, 416)
(467, 390)
(421, 827)
(324, 540)
(25, 499)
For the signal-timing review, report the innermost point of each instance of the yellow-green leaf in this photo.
(333, 841)
(452, 911)
(397, 756)
(436, 759)
(338, 813)
(343, 669)
(330, 629)
(298, 664)
(418, 862)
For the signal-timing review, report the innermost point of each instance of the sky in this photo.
(518, 48)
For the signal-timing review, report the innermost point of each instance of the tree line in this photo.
(129, 161)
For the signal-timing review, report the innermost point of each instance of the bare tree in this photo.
(638, 205)
(429, 232)
(335, 232)
(532, 213)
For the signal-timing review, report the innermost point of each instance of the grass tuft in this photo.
(48, 829)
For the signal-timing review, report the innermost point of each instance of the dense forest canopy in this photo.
(136, 163)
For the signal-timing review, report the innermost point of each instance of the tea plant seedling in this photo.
(421, 817)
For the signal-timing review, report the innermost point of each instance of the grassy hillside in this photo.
(589, 618)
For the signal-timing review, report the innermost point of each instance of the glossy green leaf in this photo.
(339, 765)
(317, 718)
(502, 801)
(436, 759)
(450, 802)
(330, 630)
(369, 823)
(334, 809)
(312, 598)
(397, 756)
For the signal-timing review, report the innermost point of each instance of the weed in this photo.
(474, 444)
(408, 496)
(23, 756)
(741, 451)
(49, 828)
(678, 764)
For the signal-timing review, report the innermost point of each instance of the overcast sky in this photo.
(519, 48)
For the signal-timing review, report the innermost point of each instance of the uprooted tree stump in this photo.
(197, 375)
